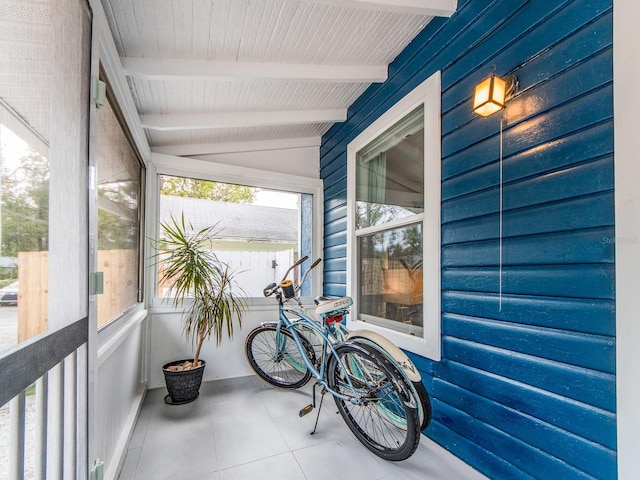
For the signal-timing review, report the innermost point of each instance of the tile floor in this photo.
(244, 429)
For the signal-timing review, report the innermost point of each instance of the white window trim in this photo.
(105, 53)
(162, 164)
(428, 94)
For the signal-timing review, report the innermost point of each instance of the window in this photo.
(394, 223)
(44, 94)
(24, 262)
(260, 231)
(45, 60)
(119, 216)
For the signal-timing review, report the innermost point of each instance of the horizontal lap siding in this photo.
(526, 385)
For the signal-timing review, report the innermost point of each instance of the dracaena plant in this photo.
(192, 270)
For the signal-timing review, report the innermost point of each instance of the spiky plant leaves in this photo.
(192, 270)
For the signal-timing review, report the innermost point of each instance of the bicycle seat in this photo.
(319, 299)
(326, 305)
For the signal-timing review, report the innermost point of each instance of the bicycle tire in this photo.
(286, 370)
(425, 402)
(417, 387)
(386, 419)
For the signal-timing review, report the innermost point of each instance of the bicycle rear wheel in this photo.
(385, 420)
(283, 367)
(417, 388)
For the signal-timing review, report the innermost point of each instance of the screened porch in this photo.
(500, 253)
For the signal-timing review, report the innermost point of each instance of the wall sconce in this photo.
(490, 94)
(489, 97)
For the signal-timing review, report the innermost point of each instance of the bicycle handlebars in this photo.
(299, 262)
(269, 289)
(304, 277)
(273, 287)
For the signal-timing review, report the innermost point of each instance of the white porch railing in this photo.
(48, 439)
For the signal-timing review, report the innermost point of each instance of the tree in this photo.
(25, 206)
(203, 189)
(118, 215)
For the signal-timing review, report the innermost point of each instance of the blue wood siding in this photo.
(526, 390)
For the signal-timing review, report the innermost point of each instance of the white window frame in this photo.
(428, 95)
(104, 54)
(162, 164)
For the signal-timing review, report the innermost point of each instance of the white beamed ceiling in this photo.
(209, 61)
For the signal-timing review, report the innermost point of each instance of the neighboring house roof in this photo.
(235, 221)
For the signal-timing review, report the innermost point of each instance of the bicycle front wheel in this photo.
(281, 366)
(385, 419)
(425, 403)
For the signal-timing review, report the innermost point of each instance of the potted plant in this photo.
(206, 286)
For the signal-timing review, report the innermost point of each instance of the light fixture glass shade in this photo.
(489, 95)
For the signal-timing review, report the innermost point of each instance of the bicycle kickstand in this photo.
(319, 408)
(310, 407)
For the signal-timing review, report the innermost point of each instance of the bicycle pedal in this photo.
(305, 410)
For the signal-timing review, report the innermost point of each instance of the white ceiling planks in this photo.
(193, 65)
(282, 31)
(211, 96)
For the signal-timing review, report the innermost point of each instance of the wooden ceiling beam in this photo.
(195, 149)
(434, 8)
(199, 121)
(190, 69)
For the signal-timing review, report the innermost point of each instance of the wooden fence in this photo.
(33, 294)
(120, 269)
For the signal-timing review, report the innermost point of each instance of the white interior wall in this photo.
(224, 361)
(120, 388)
(626, 46)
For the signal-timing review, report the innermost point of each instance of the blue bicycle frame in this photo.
(327, 347)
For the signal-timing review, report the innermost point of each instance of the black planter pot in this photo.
(184, 386)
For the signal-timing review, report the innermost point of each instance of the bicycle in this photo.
(382, 406)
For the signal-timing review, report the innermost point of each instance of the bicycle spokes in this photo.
(383, 407)
(380, 418)
(281, 367)
(294, 361)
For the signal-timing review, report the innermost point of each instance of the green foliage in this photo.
(186, 263)
(118, 215)
(202, 189)
(25, 207)
(368, 214)
(116, 232)
(8, 273)
(410, 245)
(191, 269)
(8, 281)
(215, 311)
